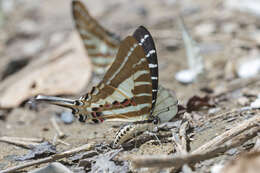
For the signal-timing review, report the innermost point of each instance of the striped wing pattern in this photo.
(101, 45)
(126, 92)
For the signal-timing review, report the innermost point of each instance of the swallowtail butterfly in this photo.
(101, 45)
(128, 92)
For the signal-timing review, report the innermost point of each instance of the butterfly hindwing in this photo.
(100, 44)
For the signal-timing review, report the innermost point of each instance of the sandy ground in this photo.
(208, 23)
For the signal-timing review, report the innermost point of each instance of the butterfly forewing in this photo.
(125, 93)
(145, 39)
(100, 44)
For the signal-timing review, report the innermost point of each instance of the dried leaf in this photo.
(64, 72)
(196, 102)
(249, 162)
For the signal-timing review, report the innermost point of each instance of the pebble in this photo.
(249, 6)
(243, 101)
(67, 117)
(255, 104)
(205, 29)
(249, 68)
(185, 76)
(213, 111)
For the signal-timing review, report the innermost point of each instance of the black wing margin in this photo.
(144, 38)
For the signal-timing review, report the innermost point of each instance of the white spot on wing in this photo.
(143, 39)
(150, 53)
(153, 65)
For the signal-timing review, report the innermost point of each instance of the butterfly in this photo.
(128, 92)
(101, 45)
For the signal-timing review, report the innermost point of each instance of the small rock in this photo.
(205, 29)
(67, 117)
(248, 67)
(55, 167)
(243, 101)
(185, 76)
(249, 6)
(213, 111)
(255, 104)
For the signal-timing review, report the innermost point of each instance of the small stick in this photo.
(183, 135)
(178, 161)
(57, 128)
(52, 158)
(252, 122)
(63, 142)
(27, 145)
(233, 111)
(237, 84)
(38, 140)
(142, 139)
(181, 146)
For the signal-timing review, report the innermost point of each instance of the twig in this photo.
(38, 140)
(228, 113)
(57, 128)
(181, 146)
(27, 145)
(138, 141)
(203, 152)
(183, 136)
(178, 161)
(229, 134)
(237, 84)
(63, 142)
(52, 158)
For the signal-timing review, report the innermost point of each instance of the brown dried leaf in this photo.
(249, 162)
(195, 103)
(63, 72)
